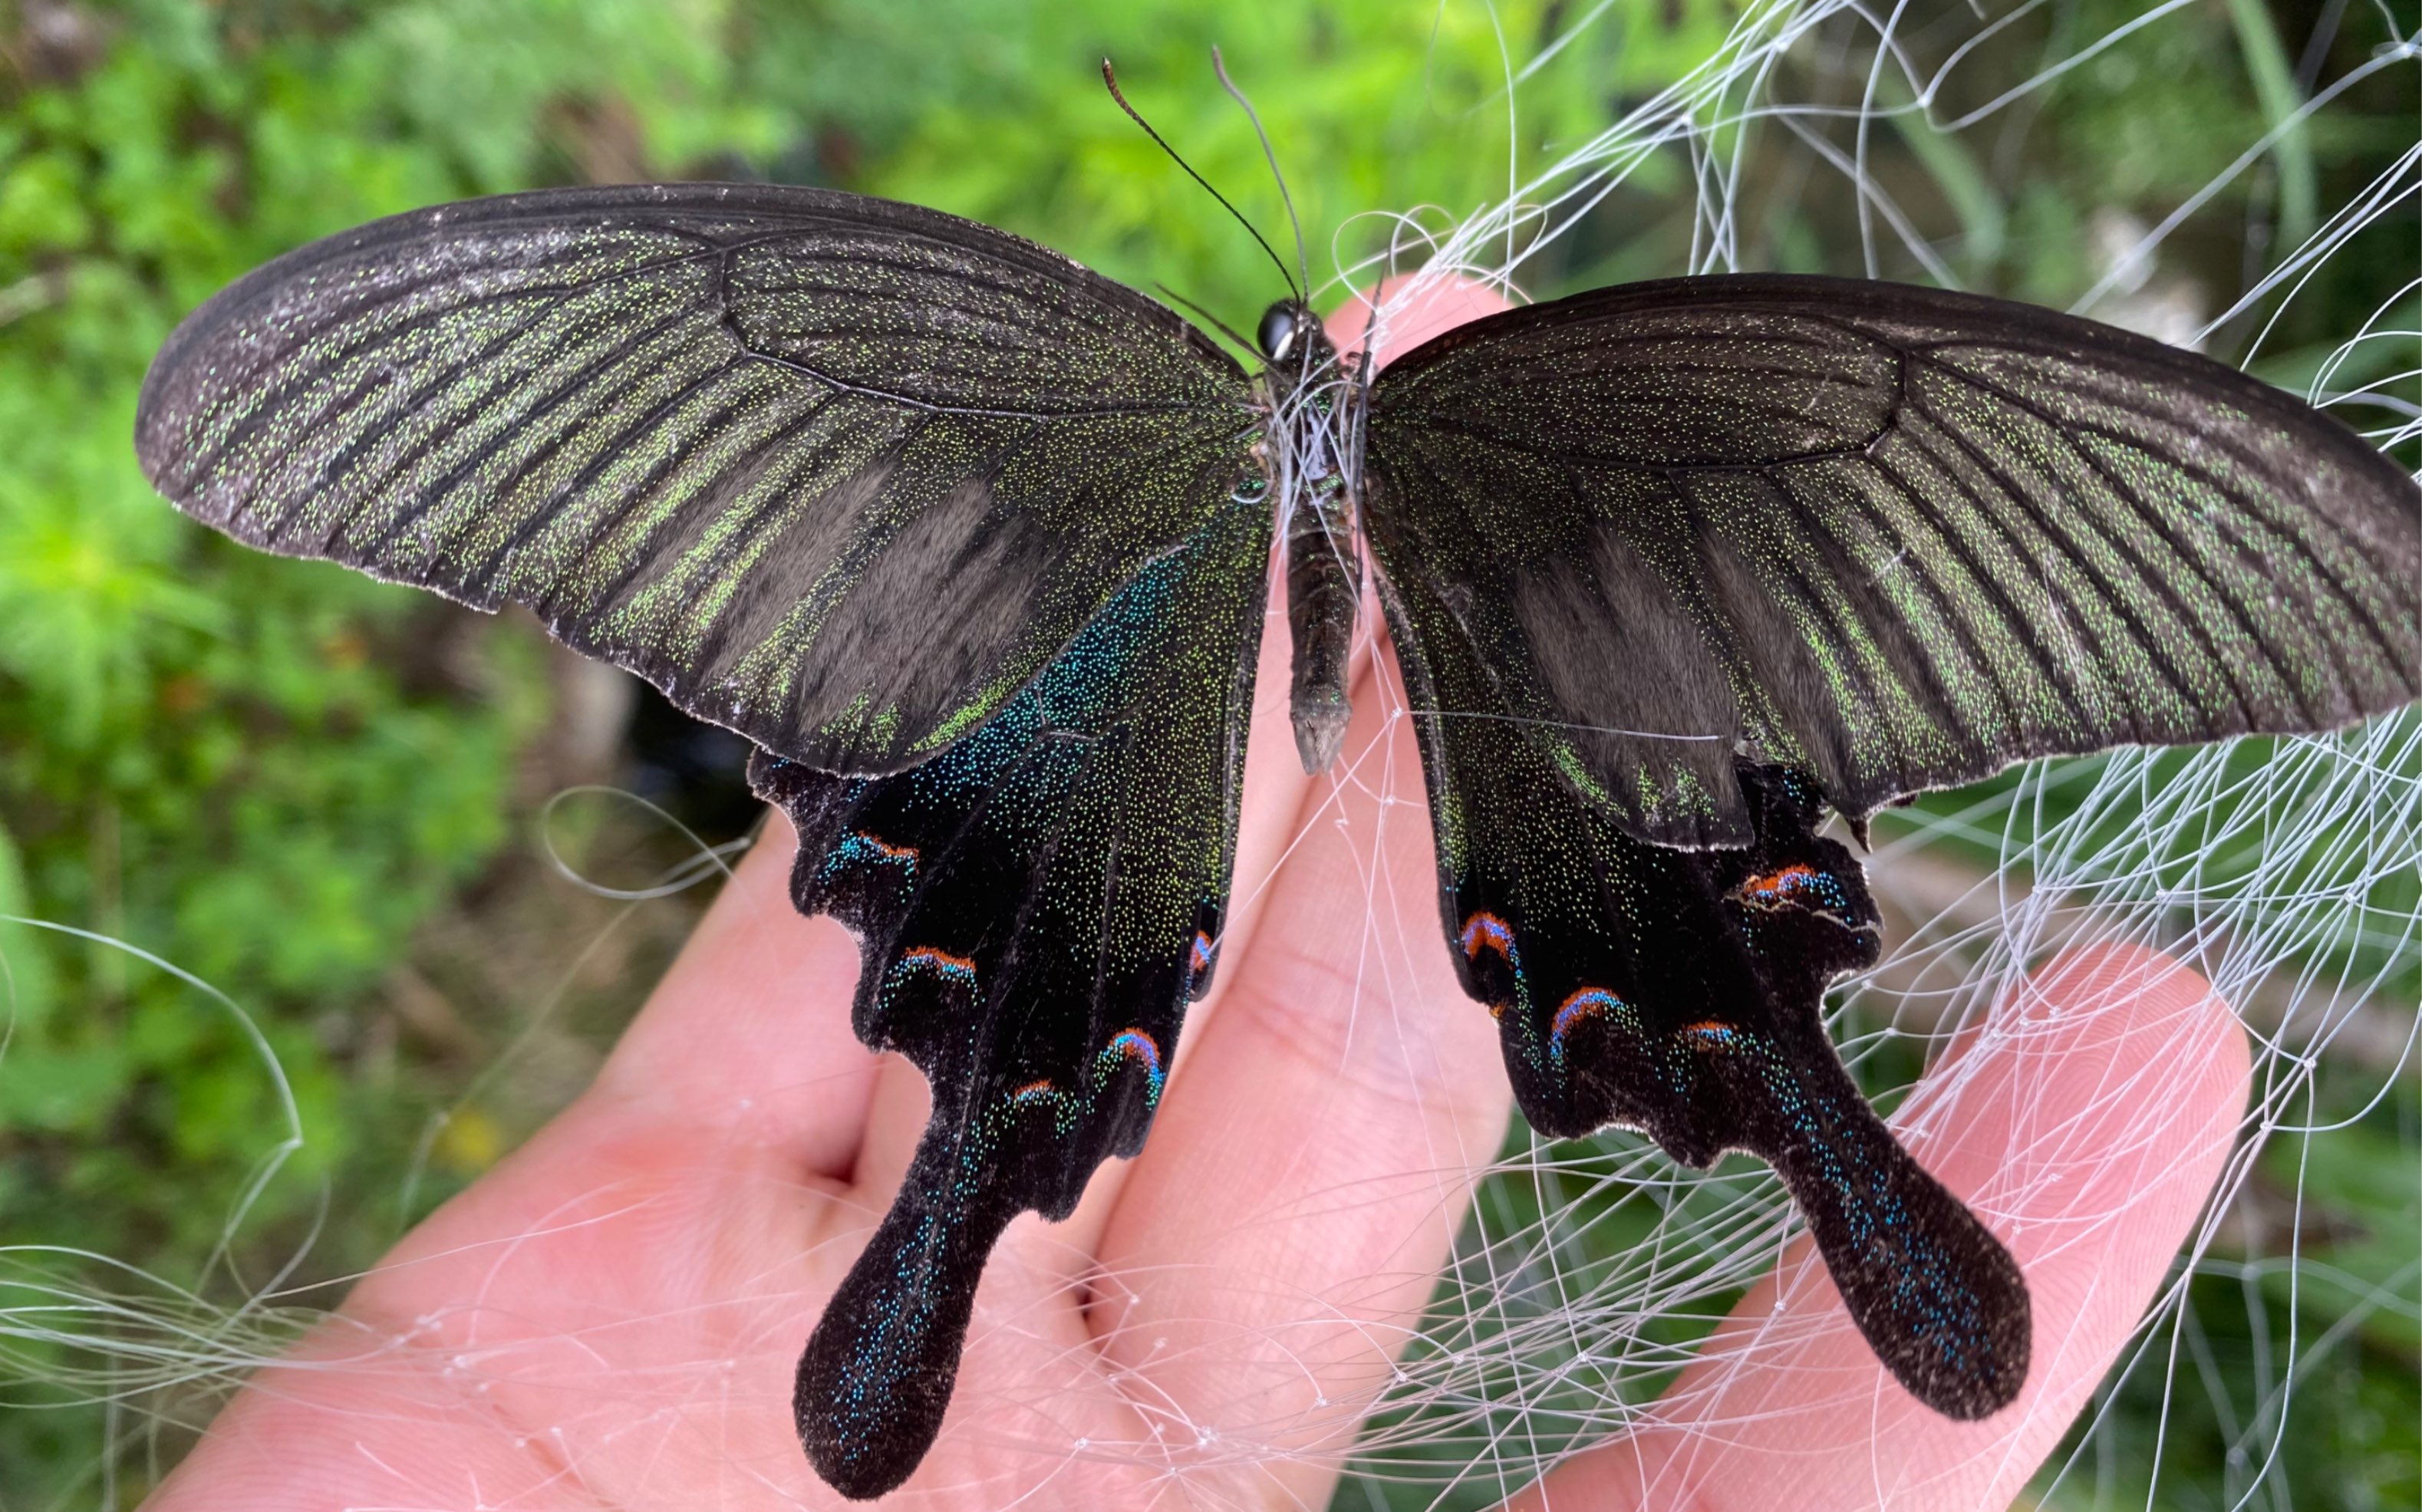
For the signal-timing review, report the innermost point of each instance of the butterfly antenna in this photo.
(1213, 321)
(1111, 79)
(1219, 66)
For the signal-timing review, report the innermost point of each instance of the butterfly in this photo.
(974, 543)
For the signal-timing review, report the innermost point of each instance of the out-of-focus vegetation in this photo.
(320, 796)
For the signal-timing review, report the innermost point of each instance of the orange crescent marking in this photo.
(928, 955)
(1777, 881)
(1487, 929)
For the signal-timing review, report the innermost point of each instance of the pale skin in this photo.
(611, 1316)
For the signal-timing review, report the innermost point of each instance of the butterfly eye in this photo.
(1277, 332)
(1252, 490)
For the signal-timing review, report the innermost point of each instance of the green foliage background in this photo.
(319, 796)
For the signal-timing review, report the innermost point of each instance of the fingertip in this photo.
(2096, 1133)
(1425, 305)
(2086, 1125)
(2106, 1052)
(2101, 996)
(755, 902)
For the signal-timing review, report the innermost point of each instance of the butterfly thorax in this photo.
(1309, 449)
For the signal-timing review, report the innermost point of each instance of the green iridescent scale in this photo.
(973, 544)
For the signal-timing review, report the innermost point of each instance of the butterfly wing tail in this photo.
(1938, 1298)
(879, 1369)
(1681, 992)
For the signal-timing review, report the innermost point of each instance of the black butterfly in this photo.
(973, 544)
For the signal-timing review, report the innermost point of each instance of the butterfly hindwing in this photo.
(1037, 905)
(729, 436)
(1895, 538)
(1680, 992)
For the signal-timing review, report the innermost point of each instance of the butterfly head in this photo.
(1303, 360)
(1284, 325)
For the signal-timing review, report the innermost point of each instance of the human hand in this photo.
(612, 1316)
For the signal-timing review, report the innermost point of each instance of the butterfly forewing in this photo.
(840, 474)
(1896, 538)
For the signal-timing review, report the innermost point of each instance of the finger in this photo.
(2086, 1125)
(1308, 1170)
(1269, 1252)
(750, 1032)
